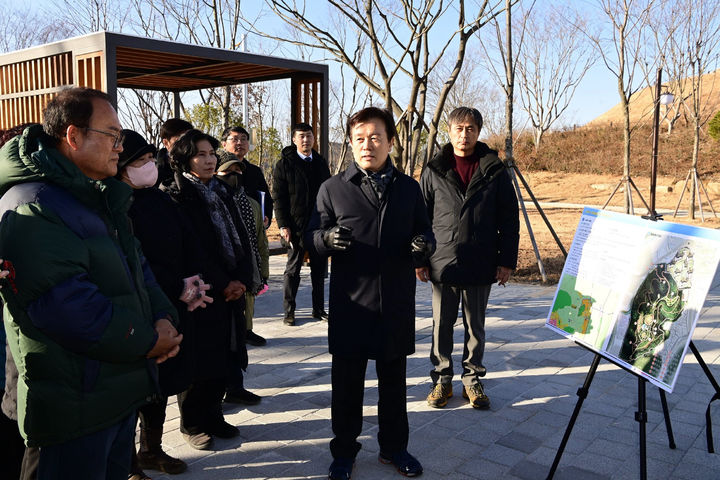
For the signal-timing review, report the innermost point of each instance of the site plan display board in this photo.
(632, 290)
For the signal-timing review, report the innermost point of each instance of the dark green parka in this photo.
(80, 302)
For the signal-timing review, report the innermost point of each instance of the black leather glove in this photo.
(338, 238)
(421, 248)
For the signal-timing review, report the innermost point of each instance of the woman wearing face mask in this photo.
(214, 215)
(172, 251)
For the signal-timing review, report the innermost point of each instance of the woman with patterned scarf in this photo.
(233, 269)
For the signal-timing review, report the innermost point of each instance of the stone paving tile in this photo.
(577, 473)
(532, 382)
(527, 470)
(525, 443)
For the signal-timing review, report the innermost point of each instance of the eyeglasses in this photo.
(240, 139)
(119, 137)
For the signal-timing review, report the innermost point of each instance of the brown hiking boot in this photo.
(475, 393)
(152, 456)
(438, 396)
(161, 461)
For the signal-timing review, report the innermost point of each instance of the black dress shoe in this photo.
(254, 339)
(224, 430)
(341, 468)
(405, 463)
(289, 319)
(321, 315)
(242, 397)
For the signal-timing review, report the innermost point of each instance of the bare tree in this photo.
(144, 111)
(474, 88)
(500, 49)
(624, 49)
(345, 101)
(554, 59)
(673, 57)
(213, 23)
(80, 18)
(17, 33)
(398, 38)
(694, 42)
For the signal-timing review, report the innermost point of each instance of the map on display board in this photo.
(632, 290)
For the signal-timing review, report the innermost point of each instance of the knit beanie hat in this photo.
(225, 159)
(134, 147)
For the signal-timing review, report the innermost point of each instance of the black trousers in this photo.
(201, 406)
(348, 386)
(152, 415)
(13, 448)
(291, 279)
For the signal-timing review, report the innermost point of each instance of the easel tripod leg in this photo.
(713, 382)
(641, 417)
(582, 394)
(666, 414)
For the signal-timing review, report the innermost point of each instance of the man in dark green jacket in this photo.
(85, 320)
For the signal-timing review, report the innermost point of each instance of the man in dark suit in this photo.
(372, 220)
(296, 181)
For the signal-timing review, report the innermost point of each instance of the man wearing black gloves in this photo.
(372, 220)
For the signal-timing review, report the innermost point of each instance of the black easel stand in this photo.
(653, 215)
(713, 382)
(640, 417)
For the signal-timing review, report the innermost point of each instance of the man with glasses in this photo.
(236, 140)
(87, 321)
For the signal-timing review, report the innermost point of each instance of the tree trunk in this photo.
(695, 155)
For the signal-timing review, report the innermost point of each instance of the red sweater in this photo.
(465, 168)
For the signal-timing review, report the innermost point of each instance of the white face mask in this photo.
(142, 177)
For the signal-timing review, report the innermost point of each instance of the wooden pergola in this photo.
(107, 61)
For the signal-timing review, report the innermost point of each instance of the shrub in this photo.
(714, 127)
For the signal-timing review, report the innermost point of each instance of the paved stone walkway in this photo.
(532, 382)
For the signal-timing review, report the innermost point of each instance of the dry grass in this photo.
(599, 150)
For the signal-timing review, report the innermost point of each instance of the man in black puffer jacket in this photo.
(474, 211)
(296, 182)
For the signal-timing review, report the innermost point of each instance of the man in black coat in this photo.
(474, 212)
(170, 131)
(296, 182)
(236, 140)
(372, 220)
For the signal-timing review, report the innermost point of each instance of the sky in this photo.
(596, 94)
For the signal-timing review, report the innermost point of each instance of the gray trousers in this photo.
(445, 302)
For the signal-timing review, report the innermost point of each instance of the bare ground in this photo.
(590, 190)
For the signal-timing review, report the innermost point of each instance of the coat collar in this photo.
(490, 166)
(443, 162)
(353, 171)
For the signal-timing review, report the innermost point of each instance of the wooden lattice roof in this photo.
(108, 61)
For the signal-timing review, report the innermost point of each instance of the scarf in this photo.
(379, 180)
(248, 218)
(221, 219)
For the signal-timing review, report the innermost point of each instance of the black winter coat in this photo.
(254, 182)
(372, 284)
(171, 248)
(213, 323)
(294, 200)
(476, 231)
(166, 176)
